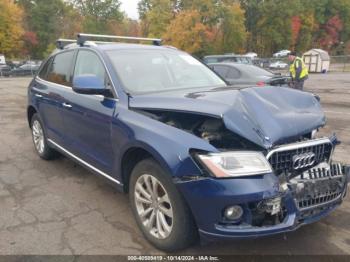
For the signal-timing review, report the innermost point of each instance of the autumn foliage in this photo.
(201, 27)
(187, 32)
(332, 31)
(296, 26)
(11, 29)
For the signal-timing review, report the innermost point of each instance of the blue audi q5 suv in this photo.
(198, 158)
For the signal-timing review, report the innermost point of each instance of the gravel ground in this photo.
(58, 207)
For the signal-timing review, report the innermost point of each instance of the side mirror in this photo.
(90, 85)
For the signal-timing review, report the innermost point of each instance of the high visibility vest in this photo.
(304, 72)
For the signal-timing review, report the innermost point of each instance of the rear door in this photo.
(88, 118)
(49, 88)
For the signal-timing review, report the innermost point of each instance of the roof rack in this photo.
(61, 43)
(82, 38)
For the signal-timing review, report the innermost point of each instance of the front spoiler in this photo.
(290, 224)
(208, 197)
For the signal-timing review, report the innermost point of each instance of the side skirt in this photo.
(85, 164)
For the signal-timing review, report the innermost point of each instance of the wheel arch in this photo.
(31, 110)
(133, 155)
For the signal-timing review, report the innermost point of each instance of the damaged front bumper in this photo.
(270, 205)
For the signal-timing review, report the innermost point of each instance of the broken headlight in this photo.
(235, 164)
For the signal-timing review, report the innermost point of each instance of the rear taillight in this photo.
(260, 83)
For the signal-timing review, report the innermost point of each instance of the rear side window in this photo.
(88, 63)
(221, 70)
(233, 73)
(210, 60)
(60, 69)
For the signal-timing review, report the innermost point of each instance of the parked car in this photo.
(278, 65)
(2, 59)
(282, 53)
(196, 156)
(5, 70)
(227, 58)
(262, 62)
(14, 64)
(25, 70)
(248, 75)
(252, 55)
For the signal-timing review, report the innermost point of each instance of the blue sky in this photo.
(130, 7)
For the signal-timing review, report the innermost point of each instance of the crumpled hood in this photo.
(264, 115)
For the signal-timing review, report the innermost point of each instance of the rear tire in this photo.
(159, 209)
(40, 139)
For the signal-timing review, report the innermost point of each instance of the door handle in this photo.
(38, 96)
(67, 105)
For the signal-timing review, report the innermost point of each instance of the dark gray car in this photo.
(248, 75)
(5, 70)
(25, 70)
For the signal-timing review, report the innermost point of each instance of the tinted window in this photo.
(43, 71)
(210, 60)
(60, 69)
(221, 70)
(256, 71)
(233, 73)
(88, 63)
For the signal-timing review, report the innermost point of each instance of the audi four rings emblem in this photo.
(303, 160)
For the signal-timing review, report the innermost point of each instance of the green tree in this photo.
(253, 14)
(232, 32)
(209, 10)
(143, 7)
(269, 23)
(97, 13)
(156, 15)
(49, 20)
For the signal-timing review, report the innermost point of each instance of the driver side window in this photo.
(88, 63)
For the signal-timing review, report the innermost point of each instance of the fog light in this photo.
(233, 213)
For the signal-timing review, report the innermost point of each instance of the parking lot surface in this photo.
(58, 207)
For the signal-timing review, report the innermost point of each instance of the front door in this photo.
(88, 118)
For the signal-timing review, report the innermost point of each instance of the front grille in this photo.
(335, 170)
(320, 186)
(281, 159)
(322, 199)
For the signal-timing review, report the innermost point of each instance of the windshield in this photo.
(145, 71)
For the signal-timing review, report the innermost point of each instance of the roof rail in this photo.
(61, 43)
(82, 37)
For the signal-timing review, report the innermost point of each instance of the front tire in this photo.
(39, 139)
(159, 209)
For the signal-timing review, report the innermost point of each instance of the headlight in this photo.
(235, 164)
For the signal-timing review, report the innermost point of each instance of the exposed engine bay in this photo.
(209, 128)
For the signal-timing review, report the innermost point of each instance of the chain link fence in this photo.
(340, 64)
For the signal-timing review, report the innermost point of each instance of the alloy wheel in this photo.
(153, 206)
(38, 136)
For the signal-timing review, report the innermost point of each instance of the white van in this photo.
(2, 59)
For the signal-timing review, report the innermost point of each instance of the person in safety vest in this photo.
(298, 71)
